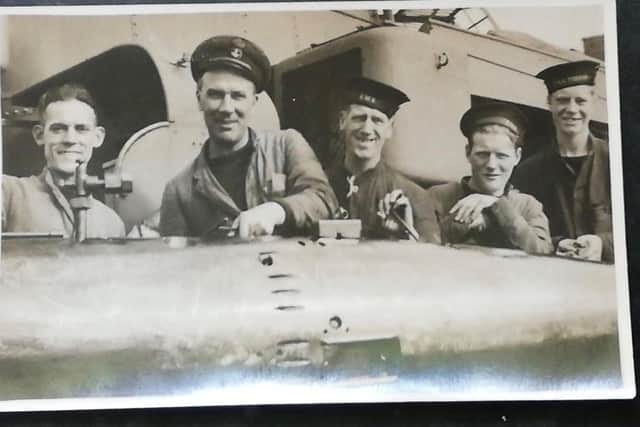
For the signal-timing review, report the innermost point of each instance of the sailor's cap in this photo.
(569, 74)
(374, 94)
(494, 113)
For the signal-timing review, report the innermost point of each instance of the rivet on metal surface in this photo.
(335, 322)
(266, 260)
(442, 60)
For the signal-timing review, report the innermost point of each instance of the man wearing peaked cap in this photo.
(571, 175)
(234, 53)
(254, 182)
(482, 208)
(366, 188)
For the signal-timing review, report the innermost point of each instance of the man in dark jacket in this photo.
(388, 204)
(571, 177)
(483, 209)
(243, 179)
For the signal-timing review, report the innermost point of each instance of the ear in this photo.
(38, 132)
(198, 99)
(467, 150)
(388, 131)
(518, 155)
(100, 134)
(342, 120)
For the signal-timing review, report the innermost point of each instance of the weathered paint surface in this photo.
(148, 317)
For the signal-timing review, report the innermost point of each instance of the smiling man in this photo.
(483, 209)
(571, 176)
(68, 132)
(254, 182)
(388, 204)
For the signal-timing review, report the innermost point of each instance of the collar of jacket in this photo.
(594, 174)
(596, 146)
(380, 165)
(46, 178)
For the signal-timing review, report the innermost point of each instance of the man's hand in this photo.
(397, 202)
(587, 246)
(567, 248)
(259, 221)
(468, 210)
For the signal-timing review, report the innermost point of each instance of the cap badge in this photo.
(368, 98)
(236, 52)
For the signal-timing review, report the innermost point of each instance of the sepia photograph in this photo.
(249, 204)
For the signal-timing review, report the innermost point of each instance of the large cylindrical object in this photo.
(165, 317)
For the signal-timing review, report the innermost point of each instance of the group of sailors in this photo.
(263, 182)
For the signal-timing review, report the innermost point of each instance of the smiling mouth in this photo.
(228, 124)
(365, 141)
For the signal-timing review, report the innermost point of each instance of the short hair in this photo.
(66, 92)
(499, 129)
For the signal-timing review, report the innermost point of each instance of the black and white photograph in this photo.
(250, 204)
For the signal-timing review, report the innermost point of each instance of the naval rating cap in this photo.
(374, 94)
(569, 74)
(494, 113)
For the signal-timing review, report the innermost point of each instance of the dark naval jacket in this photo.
(545, 176)
(360, 196)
